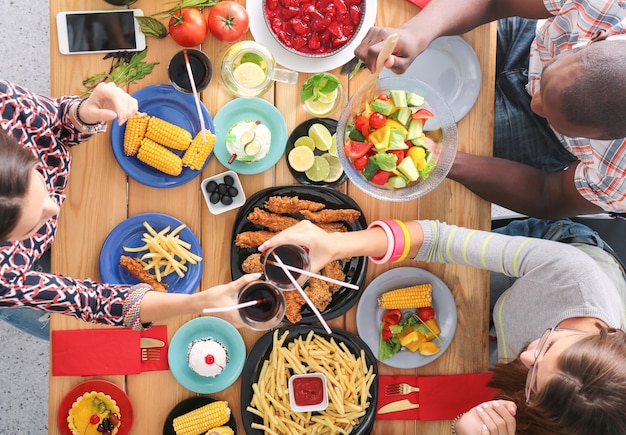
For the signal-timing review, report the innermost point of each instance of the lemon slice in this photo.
(301, 158)
(336, 170)
(252, 148)
(249, 75)
(305, 141)
(333, 145)
(328, 98)
(318, 108)
(247, 136)
(321, 136)
(320, 169)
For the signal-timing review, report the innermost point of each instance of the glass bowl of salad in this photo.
(401, 144)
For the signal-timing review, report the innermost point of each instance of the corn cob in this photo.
(199, 150)
(135, 131)
(202, 419)
(159, 157)
(416, 296)
(222, 430)
(168, 134)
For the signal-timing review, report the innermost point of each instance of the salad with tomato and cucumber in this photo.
(415, 331)
(386, 141)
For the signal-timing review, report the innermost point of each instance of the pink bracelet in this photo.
(399, 241)
(390, 241)
(407, 241)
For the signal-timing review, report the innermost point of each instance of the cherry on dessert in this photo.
(94, 419)
(209, 359)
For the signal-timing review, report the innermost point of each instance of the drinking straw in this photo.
(316, 275)
(232, 307)
(195, 94)
(302, 293)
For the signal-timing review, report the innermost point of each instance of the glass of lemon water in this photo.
(322, 94)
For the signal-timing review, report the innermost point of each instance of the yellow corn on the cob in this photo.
(415, 296)
(135, 131)
(222, 430)
(199, 150)
(202, 419)
(168, 134)
(159, 157)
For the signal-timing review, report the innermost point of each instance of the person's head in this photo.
(25, 204)
(582, 91)
(579, 385)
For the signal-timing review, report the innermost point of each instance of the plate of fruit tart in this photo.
(435, 326)
(276, 208)
(112, 404)
(213, 413)
(167, 104)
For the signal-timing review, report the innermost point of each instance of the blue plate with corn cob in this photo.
(401, 277)
(165, 103)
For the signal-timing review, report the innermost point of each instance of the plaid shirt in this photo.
(601, 176)
(42, 125)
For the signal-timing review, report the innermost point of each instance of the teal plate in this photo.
(199, 328)
(250, 109)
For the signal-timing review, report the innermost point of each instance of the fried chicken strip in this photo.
(291, 204)
(319, 293)
(335, 271)
(252, 239)
(252, 264)
(272, 221)
(134, 266)
(327, 215)
(294, 302)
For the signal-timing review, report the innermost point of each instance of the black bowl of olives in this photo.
(223, 192)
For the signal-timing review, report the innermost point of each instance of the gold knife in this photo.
(150, 342)
(400, 405)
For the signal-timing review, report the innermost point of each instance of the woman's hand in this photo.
(107, 102)
(496, 417)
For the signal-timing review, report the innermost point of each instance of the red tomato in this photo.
(392, 317)
(228, 21)
(383, 97)
(188, 27)
(354, 149)
(377, 120)
(426, 313)
(360, 121)
(380, 177)
(422, 114)
(361, 162)
(386, 333)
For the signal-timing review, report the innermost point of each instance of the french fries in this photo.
(166, 252)
(348, 377)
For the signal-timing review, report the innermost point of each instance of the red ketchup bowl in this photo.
(308, 392)
(314, 28)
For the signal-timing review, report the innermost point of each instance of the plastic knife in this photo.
(150, 342)
(400, 405)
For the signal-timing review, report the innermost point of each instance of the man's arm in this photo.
(521, 188)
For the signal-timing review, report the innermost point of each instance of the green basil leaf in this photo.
(152, 27)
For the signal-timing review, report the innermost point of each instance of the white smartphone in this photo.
(103, 31)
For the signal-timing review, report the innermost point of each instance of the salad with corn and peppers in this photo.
(415, 331)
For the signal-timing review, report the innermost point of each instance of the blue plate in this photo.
(129, 233)
(196, 329)
(250, 109)
(165, 102)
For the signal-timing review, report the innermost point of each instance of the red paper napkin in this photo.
(109, 351)
(419, 3)
(440, 397)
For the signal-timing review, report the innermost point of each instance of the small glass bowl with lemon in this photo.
(322, 95)
(311, 153)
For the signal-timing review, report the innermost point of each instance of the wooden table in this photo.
(98, 183)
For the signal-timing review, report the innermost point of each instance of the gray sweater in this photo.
(556, 281)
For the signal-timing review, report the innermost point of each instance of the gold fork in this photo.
(150, 354)
(399, 389)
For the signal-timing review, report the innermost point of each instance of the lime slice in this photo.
(336, 170)
(328, 98)
(322, 137)
(319, 170)
(252, 148)
(301, 158)
(333, 145)
(305, 141)
(249, 75)
(247, 136)
(318, 108)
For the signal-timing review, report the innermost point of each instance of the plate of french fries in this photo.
(346, 361)
(273, 209)
(172, 128)
(154, 248)
(369, 313)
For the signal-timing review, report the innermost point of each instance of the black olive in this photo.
(215, 197)
(232, 191)
(222, 189)
(227, 200)
(228, 180)
(211, 186)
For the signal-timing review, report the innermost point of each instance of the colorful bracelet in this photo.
(399, 239)
(390, 241)
(132, 307)
(407, 241)
(454, 422)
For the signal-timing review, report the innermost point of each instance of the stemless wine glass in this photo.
(267, 313)
(291, 255)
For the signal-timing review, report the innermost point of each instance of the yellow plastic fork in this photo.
(399, 389)
(150, 354)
